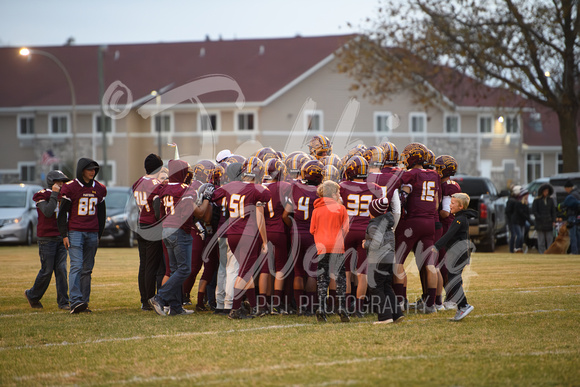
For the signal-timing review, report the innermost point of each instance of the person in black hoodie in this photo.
(81, 221)
(458, 245)
(544, 211)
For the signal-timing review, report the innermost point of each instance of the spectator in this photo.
(571, 203)
(544, 211)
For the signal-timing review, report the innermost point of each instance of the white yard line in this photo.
(255, 329)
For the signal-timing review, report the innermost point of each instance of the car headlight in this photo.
(119, 218)
(12, 221)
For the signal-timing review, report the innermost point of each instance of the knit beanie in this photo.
(378, 207)
(152, 163)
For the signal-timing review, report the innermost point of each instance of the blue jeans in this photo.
(82, 251)
(574, 239)
(178, 244)
(52, 259)
(516, 237)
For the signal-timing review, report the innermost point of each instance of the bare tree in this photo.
(531, 48)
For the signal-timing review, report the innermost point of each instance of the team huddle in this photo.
(308, 234)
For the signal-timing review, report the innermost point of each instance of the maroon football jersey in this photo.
(273, 211)
(84, 200)
(241, 199)
(143, 191)
(389, 180)
(177, 200)
(356, 197)
(423, 201)
(47, 227)
(449, 188)
(302, 199)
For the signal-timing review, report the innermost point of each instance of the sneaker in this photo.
(182, 312)
(419, 304)
(33, 304)
(186, 299)
(429, 309)
(276, 310)
(201, 308)
(157, 305)
(450, 305)
(260, 311)
(218, 311)
(64, 307)
(439, 307)
(462, 312)
(146, 307)
(389, 321)
(343, 316)
(166, 309)
(321, 316)
(78, 308)
(239, 314)
(398, 319)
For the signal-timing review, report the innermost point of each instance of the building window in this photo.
(418, 122)
(533, 166)
(246, 121)
(511, 125)
(384, 122)
(162, 123)
(27, 172)
(313, 120)
(560, 163)
(25, 125)
(536, 122)
(108, 124)
(208, 122)
(107, 172)
(452, 124)
(58, 124)
(485, 124)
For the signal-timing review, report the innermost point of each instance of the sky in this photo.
(53, 22)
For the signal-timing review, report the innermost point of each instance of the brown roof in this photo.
(261, 67)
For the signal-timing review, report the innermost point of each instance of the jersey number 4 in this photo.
(87, 206)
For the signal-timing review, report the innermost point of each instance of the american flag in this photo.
(48, 158)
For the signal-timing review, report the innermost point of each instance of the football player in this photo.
(420, 193)
(178, 200)
(357, 195)
(277, 232)
(81, 221)
(148, 231)
(301, 204)
(50, 247)
(446, 167)
(246, 233)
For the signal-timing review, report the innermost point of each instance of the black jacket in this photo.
(380, 239)
(544, 211)
(521, 214)
(458, 231)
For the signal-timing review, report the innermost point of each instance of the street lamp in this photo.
(27, 52)
(157, 96)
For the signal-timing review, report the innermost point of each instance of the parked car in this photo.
(491, 226)
(18, 216)
(120, 206)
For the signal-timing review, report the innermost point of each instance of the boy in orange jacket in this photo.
(329, 225)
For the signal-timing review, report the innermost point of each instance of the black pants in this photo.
(380, 277)
(454, 286)
(331, 263)
(150, 261)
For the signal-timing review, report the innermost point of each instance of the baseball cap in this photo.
(222, 155)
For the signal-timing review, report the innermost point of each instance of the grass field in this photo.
(525, 330)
